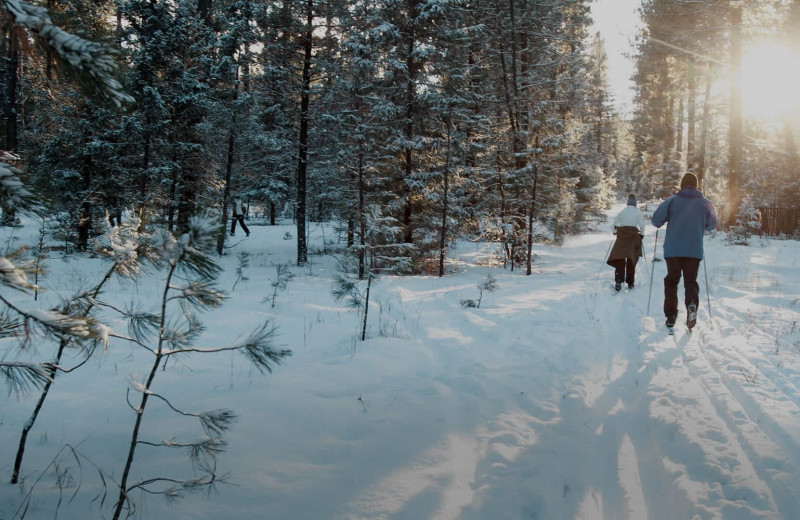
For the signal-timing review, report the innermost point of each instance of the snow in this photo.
(11, 275)
(555, 399)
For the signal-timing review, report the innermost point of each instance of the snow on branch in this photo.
(56, 321)
(12, 276)
(69, 325)
(199, 294)
(84, 55)
(192, 250)
(12, 190)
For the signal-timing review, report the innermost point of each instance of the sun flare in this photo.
(770, 81)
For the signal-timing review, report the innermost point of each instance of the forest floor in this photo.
(555, 399)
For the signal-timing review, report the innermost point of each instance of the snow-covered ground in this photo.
(555, 399)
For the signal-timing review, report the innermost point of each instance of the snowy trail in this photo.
(621, 436)
(556, 399)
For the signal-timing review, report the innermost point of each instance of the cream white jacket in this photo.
(630, 216)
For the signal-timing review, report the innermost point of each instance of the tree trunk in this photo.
(203, 9)
(669, 121)
(366, 309)
(143, 177)
(599, 124)
(410, 102)
(443, 240)
(10, 111)
(302, 163)
(352, 183)
(531, 213)
(11, 101)
(85, 211)
(226, 192)
(362, 220)
(173, 191)
(701, 152)
(691, 120)
(679, 129)
(736, 134)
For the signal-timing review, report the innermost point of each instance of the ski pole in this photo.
(652, 273)
(644, 257)
(708, 294)
(607, 251)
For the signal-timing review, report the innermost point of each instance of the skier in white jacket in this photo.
(238, 216)
(629, 228)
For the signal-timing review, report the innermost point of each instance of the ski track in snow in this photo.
(640, 427)
(556, 399)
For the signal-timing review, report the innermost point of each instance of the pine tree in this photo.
(127, 250)
(93, 64)
(174, 331)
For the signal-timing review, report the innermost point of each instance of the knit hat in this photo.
(689, 180)
(631, 199)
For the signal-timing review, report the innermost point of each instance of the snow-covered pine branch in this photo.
(141, 325)
(191, 251)
(12, 190)
(198, 294)
(82, 55)
(13, 276)
(57, 322)
(8, 325)
(61, 323)
(20, 377)
(178, 337)
(128, 248)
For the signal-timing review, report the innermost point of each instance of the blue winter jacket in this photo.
(689, 215)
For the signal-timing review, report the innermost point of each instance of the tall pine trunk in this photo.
(302, 162)
(691, 119)
(531, 215)
(446, 175)
(226, 191)
(10, 110)
(362, 219)
(410, 110)
(736, 134)
(366, 308)
(679, 130)
(703, 146)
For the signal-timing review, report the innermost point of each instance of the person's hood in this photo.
(690, 193)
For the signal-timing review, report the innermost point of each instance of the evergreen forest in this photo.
(448, 118)
(133, 130)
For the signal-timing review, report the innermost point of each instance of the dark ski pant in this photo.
(677, 266)
(624, 270)
(240, 218)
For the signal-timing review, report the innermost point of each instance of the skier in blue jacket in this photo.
(689, 215)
